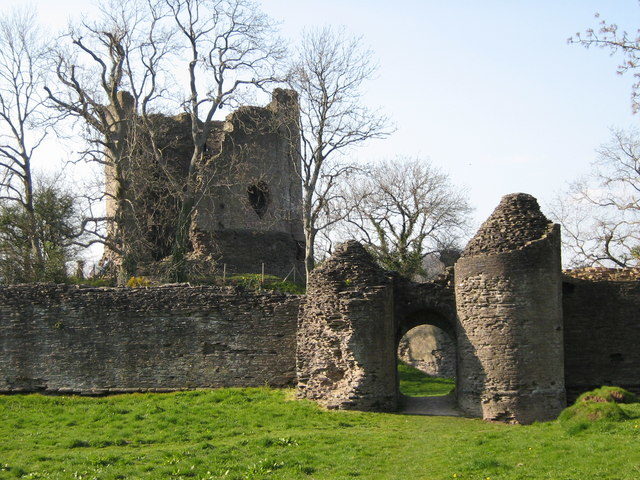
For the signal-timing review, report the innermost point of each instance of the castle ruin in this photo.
(249, 191)
(527, 336)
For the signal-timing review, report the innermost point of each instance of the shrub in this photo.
(93, 282)
(136, 282)
(36, 246)
(254, 281)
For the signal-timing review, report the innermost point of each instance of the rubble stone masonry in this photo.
(521, 330)
(67, 339)
(508, 299)
(346, 334)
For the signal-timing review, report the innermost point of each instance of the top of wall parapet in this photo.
(171, 295)
(250, 118)
(603, 274)
(283, 101)
(515, 222)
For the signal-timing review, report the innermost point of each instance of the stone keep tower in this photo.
(249, 208)
(253, 214)
(508, 299)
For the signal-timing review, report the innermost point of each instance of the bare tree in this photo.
(231, 47)
(23, 124)
(108, 72)
(405, 210)
(600, 215)
(328, 72)
(609, 37)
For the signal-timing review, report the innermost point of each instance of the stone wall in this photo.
(66, 339)
(601, 332)
(508, 297)
(249, 195)
(346, 355)
(252, 213)
(596, 274)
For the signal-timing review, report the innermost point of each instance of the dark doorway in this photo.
(259, 197)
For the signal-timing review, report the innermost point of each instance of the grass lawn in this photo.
(264, 434)
(414, 383)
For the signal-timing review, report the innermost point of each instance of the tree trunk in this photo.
(125, 222)
(35, 264)
(309, 238)
(125, 234)
(309, 254)
(181, 244)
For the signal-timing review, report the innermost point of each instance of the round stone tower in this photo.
(508, 297)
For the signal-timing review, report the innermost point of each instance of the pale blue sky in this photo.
(488, 90)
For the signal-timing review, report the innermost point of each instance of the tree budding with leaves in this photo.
(404, 210)
(25, 254)
(608, 36)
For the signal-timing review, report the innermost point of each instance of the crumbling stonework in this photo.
(516, 222)
(249, 192)
(503, 307)
(354, 316)
(66, 339)
(425, 303)
(346, 355)
(252, 214)
(603, 274)
(425, 317)
(508, 298)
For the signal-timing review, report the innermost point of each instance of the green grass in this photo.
(253, 281)
(263, 434)
(414, 383)
(271, 282)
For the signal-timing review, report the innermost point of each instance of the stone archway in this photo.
(505, 311)
(429, 349)
(353, 318)
(430, 307)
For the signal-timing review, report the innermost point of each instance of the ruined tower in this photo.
(253, 213)
(248, 208)
(508, 299)
(346, 350)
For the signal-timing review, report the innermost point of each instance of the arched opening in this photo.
(259, 197)
(426, 362)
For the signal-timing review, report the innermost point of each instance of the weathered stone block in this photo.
(66, 339)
